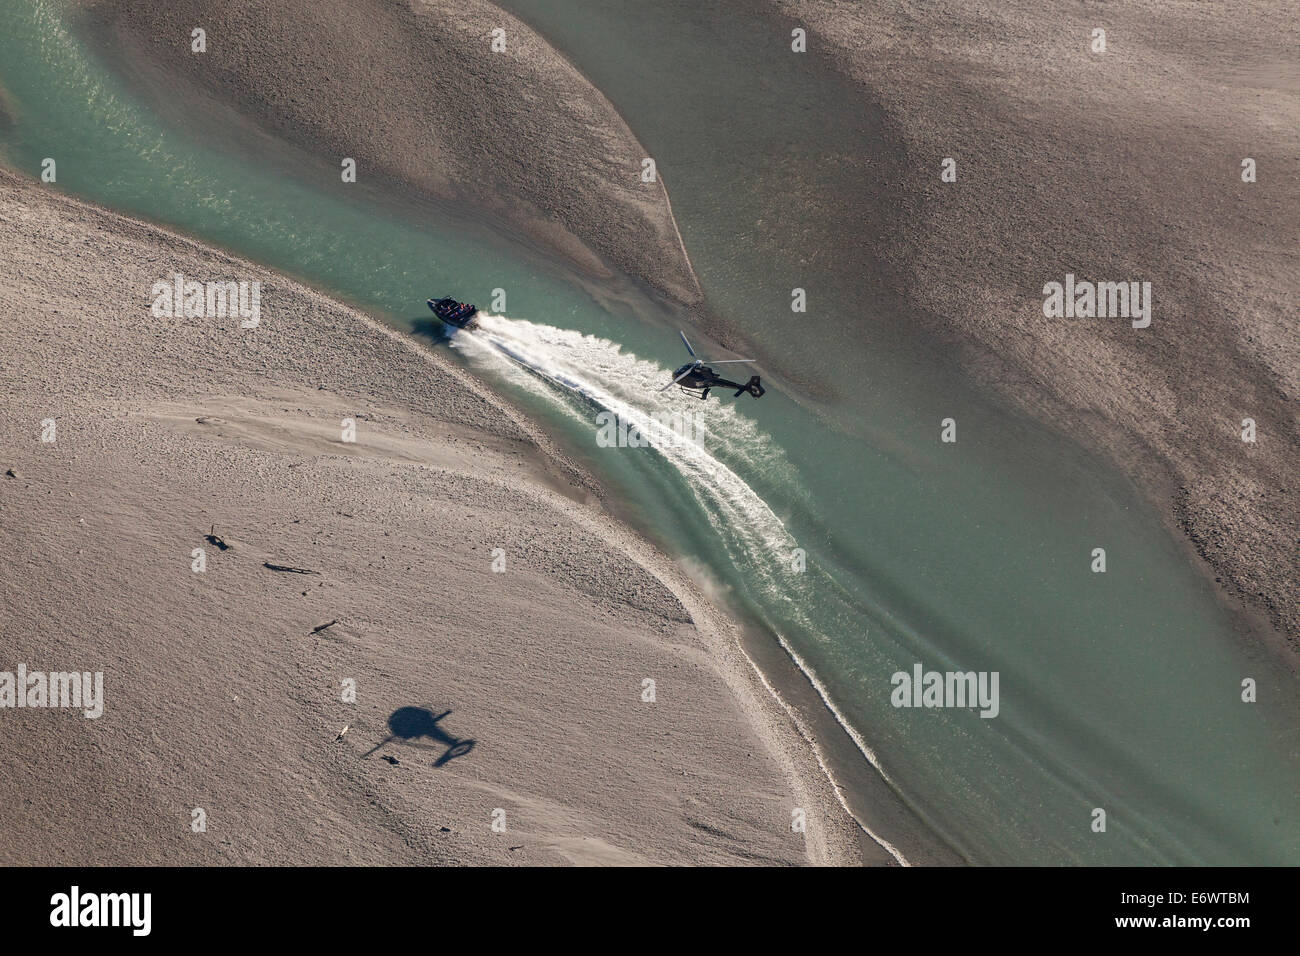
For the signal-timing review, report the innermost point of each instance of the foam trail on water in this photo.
(584, 374)
(578, 373)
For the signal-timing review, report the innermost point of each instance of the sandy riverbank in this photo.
(221, 695)
(1115, 166)
(1123, 165)
(415, 92)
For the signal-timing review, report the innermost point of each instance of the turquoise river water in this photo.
(1118, 690)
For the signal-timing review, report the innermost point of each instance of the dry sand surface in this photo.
(1117, 166)
(413, 91)
(219, 692)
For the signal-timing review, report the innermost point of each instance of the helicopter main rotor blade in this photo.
(687, 344)
(730, 361)
(679, 378)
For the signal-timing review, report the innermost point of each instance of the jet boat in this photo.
(459, 315)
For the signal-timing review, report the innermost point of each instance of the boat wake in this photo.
(584, 375)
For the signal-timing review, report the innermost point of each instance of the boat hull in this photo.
(457, 315)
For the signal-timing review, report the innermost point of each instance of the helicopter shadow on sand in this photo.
(407, 726)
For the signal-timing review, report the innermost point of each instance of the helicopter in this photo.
(696, 378)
